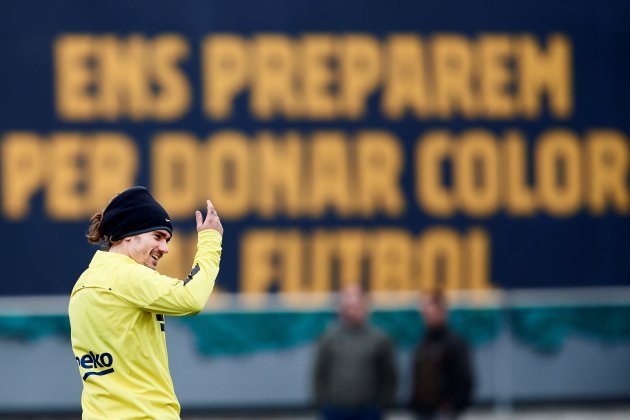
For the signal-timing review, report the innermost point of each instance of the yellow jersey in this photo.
(117, 310)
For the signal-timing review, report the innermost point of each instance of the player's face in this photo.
(434, 314)
(148, 248)
(353, 306)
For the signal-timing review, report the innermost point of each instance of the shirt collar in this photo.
(106, 257)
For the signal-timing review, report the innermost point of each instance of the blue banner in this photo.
(407, 146)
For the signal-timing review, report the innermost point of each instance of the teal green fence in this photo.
(229, 333)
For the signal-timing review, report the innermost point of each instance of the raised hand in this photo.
(211, 221)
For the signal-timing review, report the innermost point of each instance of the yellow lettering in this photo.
(477, 252)
(23, 169)
(329, 174)
(477, 173)
(360, 72)
(74, 77)
(440, 260)
(558, 172)
(519, 199)
(391, 261)
(173, 100)
(322, 250)
(380, 165)
(351, 244)
(226, 173)
(317, 76)
(273, 91)
(258, 271)
(545, 73)
(225, 73)
(495, 76)
(431, 152)
(405, 80)
(122, 87)
(63, 200)
(607, 159)
(291, 270)
(453, 76)
(175, 172)
(279, 179)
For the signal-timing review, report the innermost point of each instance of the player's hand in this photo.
(211, 221)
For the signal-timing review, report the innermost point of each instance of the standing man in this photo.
(442, 374)
(117, 307)
(355, 368)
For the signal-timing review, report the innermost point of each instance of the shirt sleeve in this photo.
(147, 289)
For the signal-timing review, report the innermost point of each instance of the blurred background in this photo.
(479, 149)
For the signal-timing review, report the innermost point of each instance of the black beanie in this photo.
(132, 212)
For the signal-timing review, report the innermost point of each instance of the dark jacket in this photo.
(354, 367)
(442, 374)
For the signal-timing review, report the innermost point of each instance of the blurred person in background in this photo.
(355, 368)
(442, 381)
(118, 304)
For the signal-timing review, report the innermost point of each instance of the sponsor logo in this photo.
(160, 319)
(93, 360)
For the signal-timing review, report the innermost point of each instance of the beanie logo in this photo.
(167, 220)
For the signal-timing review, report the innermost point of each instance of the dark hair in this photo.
(95, 235)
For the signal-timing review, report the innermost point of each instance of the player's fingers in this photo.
(211, 210)
(198, 218)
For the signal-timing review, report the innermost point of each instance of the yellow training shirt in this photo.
(117, 310)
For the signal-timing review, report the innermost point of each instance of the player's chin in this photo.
(151, 263)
